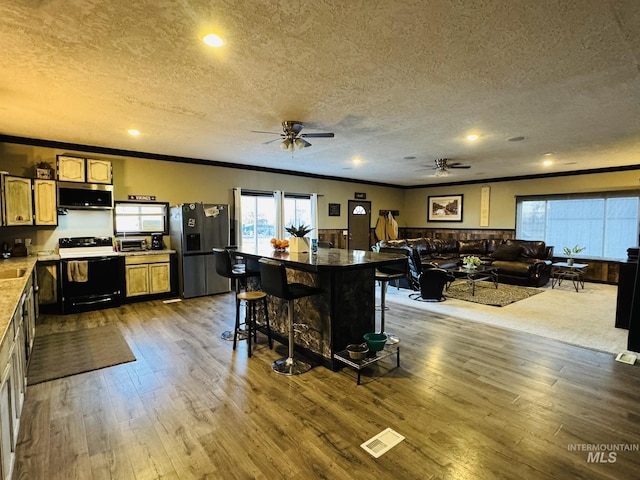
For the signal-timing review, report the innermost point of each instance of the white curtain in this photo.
(279, 199)
(237, 216)
(314, 216)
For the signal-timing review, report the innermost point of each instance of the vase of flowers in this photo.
(570, 252)
(298, 243)
(471, 261)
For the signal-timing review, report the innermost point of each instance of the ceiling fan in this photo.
(443, 165)
(291, 138)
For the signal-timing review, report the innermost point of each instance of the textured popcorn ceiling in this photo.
(391, 78)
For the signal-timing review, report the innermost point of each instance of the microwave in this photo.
(131, 244)
(85, 196)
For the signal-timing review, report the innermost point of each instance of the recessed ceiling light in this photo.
(134, 132)
(515, 139)
(473, 137)
(213, 40)
(547, 163)
(548, 154)
(357, 160)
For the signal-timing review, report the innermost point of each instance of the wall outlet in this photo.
(345, 232)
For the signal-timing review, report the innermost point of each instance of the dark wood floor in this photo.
(473, 401)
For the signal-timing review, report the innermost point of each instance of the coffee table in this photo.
(565, 271)
(473, 275)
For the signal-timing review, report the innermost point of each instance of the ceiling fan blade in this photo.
(270, 133)
(271, 141)
(317, 135)
(457, 165)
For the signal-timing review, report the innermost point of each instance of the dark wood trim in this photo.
(34, 142)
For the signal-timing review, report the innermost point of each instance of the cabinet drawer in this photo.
(140, 259)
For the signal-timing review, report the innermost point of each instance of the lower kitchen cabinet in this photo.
(147, 275)
(14, 351)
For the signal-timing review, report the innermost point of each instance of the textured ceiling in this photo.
(392, 79)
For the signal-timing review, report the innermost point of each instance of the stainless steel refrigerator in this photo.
(195, 229)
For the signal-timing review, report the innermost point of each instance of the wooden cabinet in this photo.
(45, 202)
(17, 206)
(89, 170)
(147, 275)
(98, 171)
(71, 169)
(15, 350)
(47, 283)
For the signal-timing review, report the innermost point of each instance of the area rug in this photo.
(63, 354)
(487, 294)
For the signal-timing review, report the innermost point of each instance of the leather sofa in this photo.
(519, 262)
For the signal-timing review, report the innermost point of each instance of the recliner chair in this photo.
(432, 284)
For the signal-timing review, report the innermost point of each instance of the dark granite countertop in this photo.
(326, 258)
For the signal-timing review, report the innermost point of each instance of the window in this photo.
(605, 223)
(133, 218)
(260, 220)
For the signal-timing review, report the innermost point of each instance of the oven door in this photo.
(89, 283)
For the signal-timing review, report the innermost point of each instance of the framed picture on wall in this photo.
(444, 209)
(334, 209)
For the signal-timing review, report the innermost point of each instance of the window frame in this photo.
(601, 195)
(166, 215)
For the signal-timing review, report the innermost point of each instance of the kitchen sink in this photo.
(14, 273)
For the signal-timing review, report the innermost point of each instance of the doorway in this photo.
(359, 225)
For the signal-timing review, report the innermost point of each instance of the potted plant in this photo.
(44, 170)
(471, 261)
(298, 243)
(570, 252)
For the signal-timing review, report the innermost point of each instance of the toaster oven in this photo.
(132, 244)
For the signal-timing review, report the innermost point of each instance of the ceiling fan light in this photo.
(301, 143)
(442, 173)
(286, 144)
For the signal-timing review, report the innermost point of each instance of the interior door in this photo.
(359, 225)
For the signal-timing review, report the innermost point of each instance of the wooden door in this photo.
(18, 208)
(71, 169)
(359, 225)
(44, 199)
(98, 171)
(159, 278)
(137, 280)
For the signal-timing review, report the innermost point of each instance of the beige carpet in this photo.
(62, 354)
(585, 318)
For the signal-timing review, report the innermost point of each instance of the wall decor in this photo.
(444, 209)
(485, 193)
(334, 209)
(360, 196)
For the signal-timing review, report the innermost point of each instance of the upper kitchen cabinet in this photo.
(71, 169)
(99, 171)
(89, 170)
(17, 206)
(44, 200)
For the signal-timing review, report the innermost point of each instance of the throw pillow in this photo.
(507, 253)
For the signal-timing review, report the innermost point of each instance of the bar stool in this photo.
(234, 271)
(273, 277)
(384, 275)
(251, 324)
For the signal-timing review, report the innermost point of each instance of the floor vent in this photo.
(382, 442)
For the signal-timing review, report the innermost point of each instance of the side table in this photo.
(563, 271)
(358, 365)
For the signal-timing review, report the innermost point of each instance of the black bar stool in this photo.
(251, 323)
(384, 275)
(236, 272)
(273, 278)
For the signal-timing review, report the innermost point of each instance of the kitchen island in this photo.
(343, 313)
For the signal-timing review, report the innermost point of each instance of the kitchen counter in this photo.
(343, 313)
(13, 288)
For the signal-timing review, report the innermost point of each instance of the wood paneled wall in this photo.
(600, 271)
